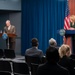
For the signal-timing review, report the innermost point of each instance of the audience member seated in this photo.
(34, 51)
(51, 67)
(52, 42)
(33, 55)
(65, 60)
(72, 56)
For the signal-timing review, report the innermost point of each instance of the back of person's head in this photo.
(34, 42)
(52, 42)
(52, 54)
(64, 50)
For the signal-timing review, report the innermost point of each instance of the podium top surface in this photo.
(69, 31)
(9, 35)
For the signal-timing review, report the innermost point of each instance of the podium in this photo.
(9, 36)
(0, 34)
(70, 39)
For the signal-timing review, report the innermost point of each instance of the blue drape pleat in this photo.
(41, 19)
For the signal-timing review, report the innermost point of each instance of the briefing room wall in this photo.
(3, 18)
(72, 7)
(10, 5)
(15, 18)
(16, 21)
(11, 9)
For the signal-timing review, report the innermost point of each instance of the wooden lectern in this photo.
(0, 34)
(9, 35)
(70, 39)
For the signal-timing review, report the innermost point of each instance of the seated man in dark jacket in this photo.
(51, 67)
(34, 51)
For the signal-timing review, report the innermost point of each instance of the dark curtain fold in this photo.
(42, 19)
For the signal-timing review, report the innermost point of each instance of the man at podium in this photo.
(10, 29)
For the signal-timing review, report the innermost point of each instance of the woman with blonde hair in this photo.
(64, 50)
(72, 22)
(65, 60)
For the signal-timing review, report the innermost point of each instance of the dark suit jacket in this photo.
(12, 31)
(54, 47)
(51, 69)
(34, 52)
(68, 63)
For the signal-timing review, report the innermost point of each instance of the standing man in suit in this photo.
(10, 29)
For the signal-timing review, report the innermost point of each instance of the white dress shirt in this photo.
(9, 27)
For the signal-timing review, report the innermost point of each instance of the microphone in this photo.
(62, 32)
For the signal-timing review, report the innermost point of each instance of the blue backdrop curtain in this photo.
(42, 19)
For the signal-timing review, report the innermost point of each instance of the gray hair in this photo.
(8, 20)
(52, 42)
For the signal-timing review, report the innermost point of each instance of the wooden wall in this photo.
(72, 7)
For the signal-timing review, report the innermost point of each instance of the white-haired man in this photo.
(10, 29)
(53, 43)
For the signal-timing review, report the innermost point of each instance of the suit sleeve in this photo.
(4, 31)
(41, 53)
(14, 30)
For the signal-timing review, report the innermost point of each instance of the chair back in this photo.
(34, 68)
(20, 68)
(1, 53)
(5, 66)
(9, 53)
(5, 73)
(32, 59)
(43, 59)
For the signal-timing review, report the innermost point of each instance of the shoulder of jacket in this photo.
(39, 50)
(4, 27)
(12, 26)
